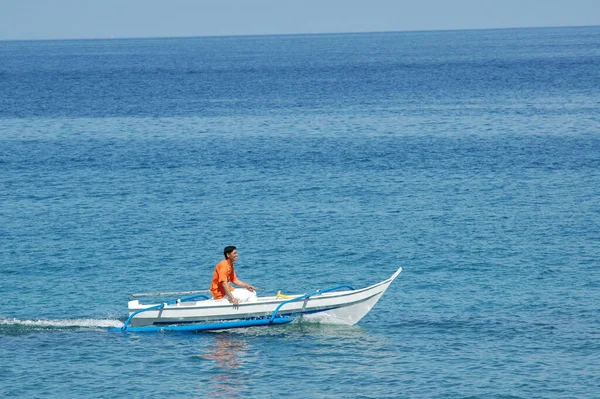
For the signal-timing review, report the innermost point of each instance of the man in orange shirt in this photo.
(224, 275)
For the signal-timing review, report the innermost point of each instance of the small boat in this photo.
(337, 305)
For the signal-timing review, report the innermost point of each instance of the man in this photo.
(224, 275)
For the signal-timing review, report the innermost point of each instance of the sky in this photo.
(94, 19)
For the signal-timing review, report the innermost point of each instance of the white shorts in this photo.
(242, 295)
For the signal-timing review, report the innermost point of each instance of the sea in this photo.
(471, 159)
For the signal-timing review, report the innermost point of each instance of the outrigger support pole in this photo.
(146, 294)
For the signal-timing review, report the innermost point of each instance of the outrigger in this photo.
(337, 305)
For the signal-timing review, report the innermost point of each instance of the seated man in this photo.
(224, 275)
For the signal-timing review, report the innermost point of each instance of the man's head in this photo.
(230, 252)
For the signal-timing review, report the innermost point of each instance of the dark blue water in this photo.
(469, 158)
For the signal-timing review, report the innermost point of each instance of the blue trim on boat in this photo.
(287, 315)
(209, 326)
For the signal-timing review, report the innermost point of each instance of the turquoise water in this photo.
(469, 158)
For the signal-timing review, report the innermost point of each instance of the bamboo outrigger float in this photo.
(336, 305)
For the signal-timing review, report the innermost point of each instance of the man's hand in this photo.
(250, 288)
(234, 301)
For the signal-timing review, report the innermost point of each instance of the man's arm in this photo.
(239, 282)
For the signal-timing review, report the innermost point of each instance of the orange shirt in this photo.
(223, 273)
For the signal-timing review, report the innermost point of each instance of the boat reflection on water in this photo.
(228, 352)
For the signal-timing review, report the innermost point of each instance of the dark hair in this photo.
(228, 250)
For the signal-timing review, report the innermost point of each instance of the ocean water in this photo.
(469, 158)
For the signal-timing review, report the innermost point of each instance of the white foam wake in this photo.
(67, 323)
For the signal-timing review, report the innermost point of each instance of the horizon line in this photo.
(294, 34)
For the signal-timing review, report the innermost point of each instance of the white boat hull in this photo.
(339, 307)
